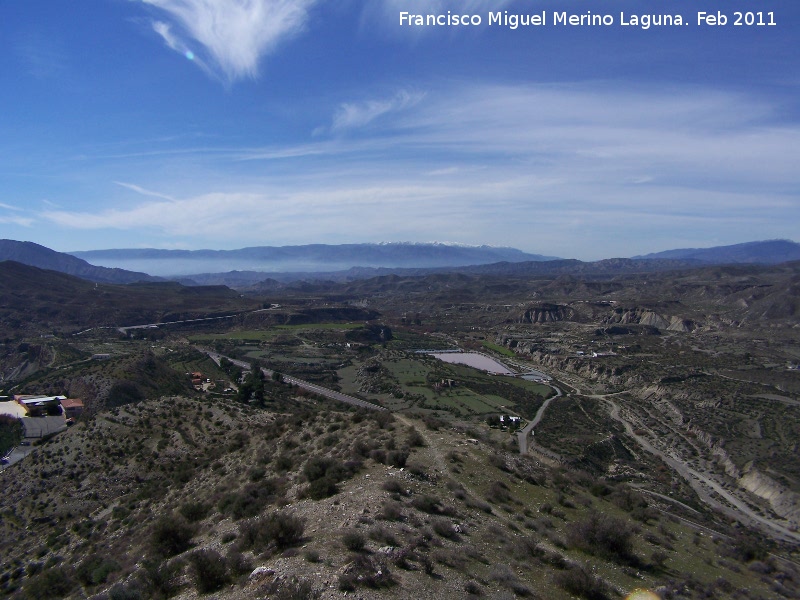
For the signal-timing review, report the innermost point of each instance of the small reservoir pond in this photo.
(475, 360)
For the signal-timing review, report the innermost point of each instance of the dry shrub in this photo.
(171, 535)
(354, 541)
(290, 589)
(280, 529)
(498, 493)
(367, 571)
(603, 535)
(444, 528)
(210, 570)
(578, 581)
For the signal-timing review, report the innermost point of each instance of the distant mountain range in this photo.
(303, 259)
(279, 265)
(769, 252)
(257, 280)
(35, 255)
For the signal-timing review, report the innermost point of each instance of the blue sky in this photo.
(231, 123)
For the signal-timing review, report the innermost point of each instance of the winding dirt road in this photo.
(703, 485)
(522, 436)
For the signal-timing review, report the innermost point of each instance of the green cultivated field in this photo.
(474, 392)
(317, 326)
(256, 336)
(263, 335)
(499, 349)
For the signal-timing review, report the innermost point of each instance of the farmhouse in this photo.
(40, 406)
(73, 407)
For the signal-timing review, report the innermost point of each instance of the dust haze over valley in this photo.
(298, 439)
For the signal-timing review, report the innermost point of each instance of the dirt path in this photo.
(703, 485)
(438, 459)
(522, 436)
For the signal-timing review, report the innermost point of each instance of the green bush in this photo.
(628, 499)
(161, 578)
(383, 418)
(324, 473)
(125, 592)
(603, 535)
(498, 493)
(366, 571)
(52, 583)
(444, 528)
(171, 535)
(123, 393)
(281, 529)
(312, 555)
(428, 504)
(194, 511)
(577, 581)
(391, 511)
(415, 439)
(11, 433)
(318, 467)
(504, 575)
(283, 463)
(251, 500)
(320, 489)
(256, 473)
(747, 548)
(397, 458)
(291, 589)
(473, 589)
(354, 541)
(95, 570)
(393, 486)
(210, 570)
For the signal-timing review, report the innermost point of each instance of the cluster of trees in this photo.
(11, 432)
(253, 389)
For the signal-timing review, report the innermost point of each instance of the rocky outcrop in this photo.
(679, 324)
(783, 501)
(717, 450)
(645, 316)
(544, 313)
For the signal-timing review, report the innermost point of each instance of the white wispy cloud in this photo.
(573, 170)
(143, 191)
(17, 220)
(354, 115)
(233, 35)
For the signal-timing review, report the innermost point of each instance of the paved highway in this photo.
(522, 436)
(306, 385)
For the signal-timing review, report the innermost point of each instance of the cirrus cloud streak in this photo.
(585, 167)
(234, 34)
